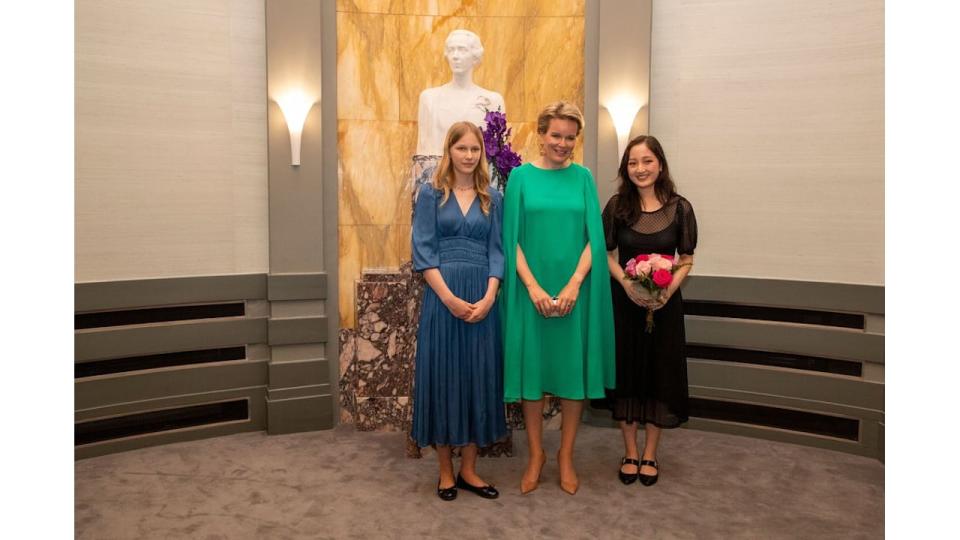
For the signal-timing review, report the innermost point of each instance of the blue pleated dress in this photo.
(458, 378)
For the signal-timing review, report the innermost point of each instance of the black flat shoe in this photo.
(647, 479)
(487, 492)
(629, 478)
(447, 494)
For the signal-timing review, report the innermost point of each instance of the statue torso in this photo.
(441, 106)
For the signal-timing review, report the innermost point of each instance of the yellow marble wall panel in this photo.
(421, 51)
(349, 266)
(374, 171)
(370, 6)
(554, 8)
(378, 246)
(532, 8)
(456, 8)
(445, 8)
(404, 239)
(553, 66)
(524, 140)
(364, 247)
(368, 66)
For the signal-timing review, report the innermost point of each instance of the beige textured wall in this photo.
(771, 114)
(171, 144)
(387, 53)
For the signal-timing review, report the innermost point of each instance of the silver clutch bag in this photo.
(554, 313)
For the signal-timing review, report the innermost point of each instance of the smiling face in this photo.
(460, 52)
(643, 167)
(465, 155)
(558, 142)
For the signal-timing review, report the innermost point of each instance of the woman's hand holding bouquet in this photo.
(647, 280)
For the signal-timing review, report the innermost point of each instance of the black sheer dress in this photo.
(651, 367)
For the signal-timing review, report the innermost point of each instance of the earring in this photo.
(540, 147)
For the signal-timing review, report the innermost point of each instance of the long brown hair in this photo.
(444, 177)
(628, 208)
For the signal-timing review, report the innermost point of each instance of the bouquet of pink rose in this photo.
(651, 274)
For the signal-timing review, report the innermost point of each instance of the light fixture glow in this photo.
(295, 105)
(623, 109)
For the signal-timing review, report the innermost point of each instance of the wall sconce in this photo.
(623, 109)
(295, 105)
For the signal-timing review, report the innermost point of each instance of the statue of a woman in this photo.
(459, 99)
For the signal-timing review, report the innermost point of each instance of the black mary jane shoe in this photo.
(648, 479)
(629, 478)
(447, 494)
(487, 492)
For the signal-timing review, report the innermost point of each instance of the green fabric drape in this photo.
(553, 214)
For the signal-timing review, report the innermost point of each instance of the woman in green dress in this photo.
(557, 316)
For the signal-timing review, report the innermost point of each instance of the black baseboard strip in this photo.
(778, 314)
(158, 421)
(102, 319)
(137, 363)
(776, 359)
(747, 413)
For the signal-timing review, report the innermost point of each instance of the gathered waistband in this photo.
(463, 249)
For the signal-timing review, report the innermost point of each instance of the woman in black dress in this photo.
(646, 216)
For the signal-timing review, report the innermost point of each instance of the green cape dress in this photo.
(553, 214)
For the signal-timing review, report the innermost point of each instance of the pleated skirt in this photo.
(458, 377)
(651, 367)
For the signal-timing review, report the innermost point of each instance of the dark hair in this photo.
(628, 201)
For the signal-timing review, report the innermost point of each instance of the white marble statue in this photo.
(459, 99)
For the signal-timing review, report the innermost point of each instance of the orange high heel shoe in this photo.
(527, 487)
(568, 487)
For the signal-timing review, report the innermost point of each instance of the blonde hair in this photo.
(444, 177)
(563, 110)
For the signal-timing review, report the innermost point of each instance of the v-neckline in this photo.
(463, 213)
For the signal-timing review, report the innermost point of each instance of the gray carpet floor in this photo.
(346, 484)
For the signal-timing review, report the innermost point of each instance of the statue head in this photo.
(463, 50)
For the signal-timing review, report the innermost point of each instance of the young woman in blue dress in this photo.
(458, 380)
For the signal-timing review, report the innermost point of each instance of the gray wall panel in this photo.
(300, 414)
(256, 422)
(293, 330)
(298, 392)
(117, 342)
(786, 402)
(139, 293)
(166, 437)
(591, 83)
(787, 382)
(311, 286)
(256, 394)
(331, 210)
(786, 337)
(780, 435)
(881, 441)
(117, 388)
(299, 373)
(786, 293)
